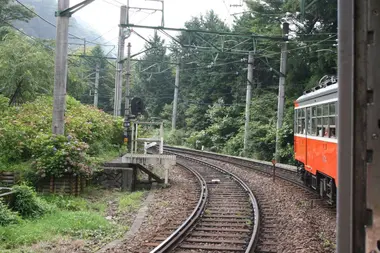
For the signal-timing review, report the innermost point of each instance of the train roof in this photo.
(333, 88)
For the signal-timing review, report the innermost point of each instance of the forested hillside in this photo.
(212, 84)
(212, 92)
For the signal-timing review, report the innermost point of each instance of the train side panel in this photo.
(322, 157)
(300, 148)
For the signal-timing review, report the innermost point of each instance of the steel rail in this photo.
(254, 237)
(268, 170)
(221, 157)
(170, 241)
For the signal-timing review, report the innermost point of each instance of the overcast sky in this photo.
(104, 15)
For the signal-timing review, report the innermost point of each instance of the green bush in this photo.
(7, 216)
(56, 155)
(27, 204)
(24, 130)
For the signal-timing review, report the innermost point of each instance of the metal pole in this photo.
(60, 77)
(248, 100)
(84, 46)
(281, 87)
(132, 138)
(358, 209)
(175, 101)
(136, 132)
(96, 85)
(119, 64)
(127, 22)
(163, 20)
(161, 138)
(127, 113)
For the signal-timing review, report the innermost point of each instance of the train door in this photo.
(300, 136)
(308, 132)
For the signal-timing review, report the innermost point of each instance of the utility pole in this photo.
(60, 76)
(281, 87)
(127, 113)
(248, 99)
(119, 64)
(175, 101)
(96, 85)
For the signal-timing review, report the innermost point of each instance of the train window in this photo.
(301, 121)
(308, 120)
(319, 122)
(332, 109)
(314, 126)
(319, 110)
(325, 110)
(303, 128)
(332, 121)
(314, 109)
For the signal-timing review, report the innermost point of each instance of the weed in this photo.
(7, 216)
(27, 204)
(130, 201)
(77, 224)
(67, 202)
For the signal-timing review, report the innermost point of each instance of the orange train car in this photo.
(316, 137)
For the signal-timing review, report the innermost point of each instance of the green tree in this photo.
(154, 81)
(26, 68)
(11, 11)
(84, 72)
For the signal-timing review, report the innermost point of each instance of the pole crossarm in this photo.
(208, 42)
(280, 74)
(247, 35)
(134, 55)
(174, 39)
(143, 38)
(147, 9)
(71, 10)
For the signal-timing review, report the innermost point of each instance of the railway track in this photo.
(291, 176)
(226, 217)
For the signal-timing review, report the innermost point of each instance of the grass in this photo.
(130, 202)
(72, 218)
(82, 224)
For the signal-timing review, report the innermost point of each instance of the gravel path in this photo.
(301, 226)
(170, 207)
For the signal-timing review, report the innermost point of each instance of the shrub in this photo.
(57, 155)
(20, 126)
(7, 216)
(27, 204)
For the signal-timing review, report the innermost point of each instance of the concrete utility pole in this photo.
(248, 100)
(127, 112)
(60, 76)
(96, 85)
(281, 87)
(119, 64)
(175, 101)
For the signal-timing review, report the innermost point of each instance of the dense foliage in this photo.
(27, 204)
(7, 216)
(213, 83)
(211, 96)
(25, 136)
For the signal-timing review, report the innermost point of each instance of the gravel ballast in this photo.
(170, 207)
(302, 225)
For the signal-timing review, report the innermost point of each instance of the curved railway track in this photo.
(226, 217)
(264, 168)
